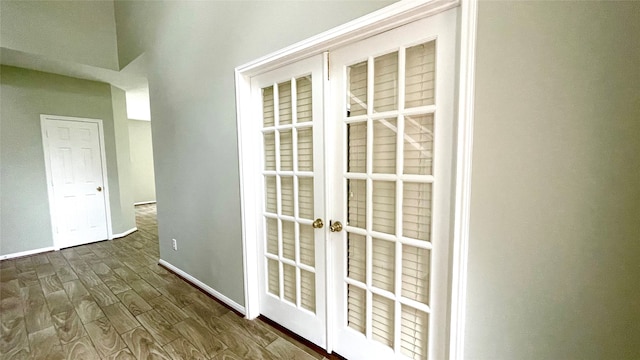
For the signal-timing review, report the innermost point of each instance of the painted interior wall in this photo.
(127, 215)
(554, 256)
(141, 149)
(79, 31)
(25, 95)
(195, 48)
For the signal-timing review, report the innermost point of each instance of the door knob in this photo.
(99, 188)
(318, 224)
(335, 226)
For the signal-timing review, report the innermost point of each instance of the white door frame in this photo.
(47, 164)
(395, 15)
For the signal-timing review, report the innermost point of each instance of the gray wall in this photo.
(196, 46)
(25, 95)
(80, 31)
(144, 182)
(555, 221)
(126, 219)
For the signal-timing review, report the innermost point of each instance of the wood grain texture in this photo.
(13, 337)
(50, 284)
(45, 270)
(126, 274)
(66, 273)
(146, 291)
(134, 303)
(158, 327)
(115, 284)
(81, 349)
(201, 337)
(43, 341)
(58, 302)
(181, 349)
(10, 288)
(68, 326)
(104, 337)
(124, 354)
(283, 349)
(103, 295)
(121, 318)
(28, 278)
(143, 346)
(55, 306)
(168, 310)
(87, 309)
(11, 308)
(37, 316)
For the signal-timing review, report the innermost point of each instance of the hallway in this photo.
(110, 300)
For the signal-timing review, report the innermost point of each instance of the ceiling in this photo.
(131, 77)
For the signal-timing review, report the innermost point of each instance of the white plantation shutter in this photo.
(398, 206)
(289, 191)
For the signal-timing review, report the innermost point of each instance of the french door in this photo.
(292, 249)
(393, 117)
(356, 186)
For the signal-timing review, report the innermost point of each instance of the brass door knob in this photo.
(318, 224)
(99, 188)
(335, 226)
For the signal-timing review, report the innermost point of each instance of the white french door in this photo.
(292, 248)
(393, 117)
(75, 173)
(378, 136)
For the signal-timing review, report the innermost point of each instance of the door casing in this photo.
(50, 189)
(390, 17)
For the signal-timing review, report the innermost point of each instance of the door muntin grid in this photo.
(288, 172)
(389, 179)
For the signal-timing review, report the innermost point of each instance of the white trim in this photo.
(464, 156)
(144, 202)
(392, 16)
(105, 178)
(123, 234)
(248, 196)
(27, 253)
(234, 305)
(389, 17)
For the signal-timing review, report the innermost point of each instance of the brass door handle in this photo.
(99, 188)
(335, 226)
(318, 224)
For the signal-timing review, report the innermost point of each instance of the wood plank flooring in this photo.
(110, 300)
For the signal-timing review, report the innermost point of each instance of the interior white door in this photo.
(292, 250)
(394, 116)
(74, 164)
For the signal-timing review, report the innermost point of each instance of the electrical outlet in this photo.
(175, 244)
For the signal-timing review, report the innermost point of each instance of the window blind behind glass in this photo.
(418, 138)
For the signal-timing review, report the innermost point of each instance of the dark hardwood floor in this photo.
(110, 300)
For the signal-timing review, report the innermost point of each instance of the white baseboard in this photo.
(204, 287)
(27, 253)
(115, 236)
(145, 202)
